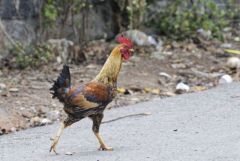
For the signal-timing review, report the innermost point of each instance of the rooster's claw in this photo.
(105, 148)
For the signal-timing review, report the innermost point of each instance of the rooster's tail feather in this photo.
(62, 84)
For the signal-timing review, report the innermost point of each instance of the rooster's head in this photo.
(126, 48)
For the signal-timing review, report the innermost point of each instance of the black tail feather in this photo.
(62, 83)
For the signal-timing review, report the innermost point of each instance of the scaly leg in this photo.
(103, 146)
(97, 119)
(69, 121)
(56, 138)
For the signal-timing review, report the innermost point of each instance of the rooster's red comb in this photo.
(123, 40)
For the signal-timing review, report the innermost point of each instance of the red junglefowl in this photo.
(90, 99)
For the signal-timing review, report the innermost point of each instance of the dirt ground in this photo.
(25, 100)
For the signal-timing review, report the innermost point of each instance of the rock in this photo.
(226, 45)
(163, 74)
(159, 46)
(140, 38)
(206, 34)
(225, 79)
(27, 114)
(54, 104)
(168, 94)
(179, 66)
(69, 153)
(13, 129)
(152, 41)
(13, 90)
(41, 109)
(35, 121)
(2, 86)
(167, 53)
(21, 9)
(61, 48)
(233, 62)
(20, 31)
(182, 87)
(198, 88)
(59, 59)
(53, 115)
(10, 118)
(91, 66)
(175, 45)
(155, 91)
(227, 29)
(45, 121)
(164, 78)
(158, 55)
(237, 39)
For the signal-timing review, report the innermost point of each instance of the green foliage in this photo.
(136, 9)
(182, 18)
(32, 55)
(50, 13)
(58, 10)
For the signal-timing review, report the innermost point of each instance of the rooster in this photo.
(90, 99)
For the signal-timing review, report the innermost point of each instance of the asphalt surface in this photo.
(202, 126)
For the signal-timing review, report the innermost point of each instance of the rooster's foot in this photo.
(105, 148)
(53, 146)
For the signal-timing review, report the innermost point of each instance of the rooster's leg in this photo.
(97, 119)
(56, 138)
(69, 121)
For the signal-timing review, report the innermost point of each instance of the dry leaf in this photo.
(199, 88)
(152, 90)
(231, 51)
(121, 90)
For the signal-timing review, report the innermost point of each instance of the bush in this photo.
(32, 55)
(182, 18)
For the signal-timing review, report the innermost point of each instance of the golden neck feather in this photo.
(111, 68)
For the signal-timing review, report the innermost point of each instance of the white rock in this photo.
(233, 62)
(163, 74)
(59, 59)
(226, 45)
(204, 33)
(227, 29)
(140, 38)
(152, 41)
(237, 39)
(13, 129)
(159, 46)
(182, 87)
(13, 90)
(54, 104)
(53, 115)
(45, 121)
(225, 79)
(3, 86)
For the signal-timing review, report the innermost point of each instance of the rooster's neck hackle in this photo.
(111, 68)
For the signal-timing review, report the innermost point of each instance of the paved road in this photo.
(202, 126)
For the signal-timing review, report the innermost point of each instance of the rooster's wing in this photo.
(88, 99)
